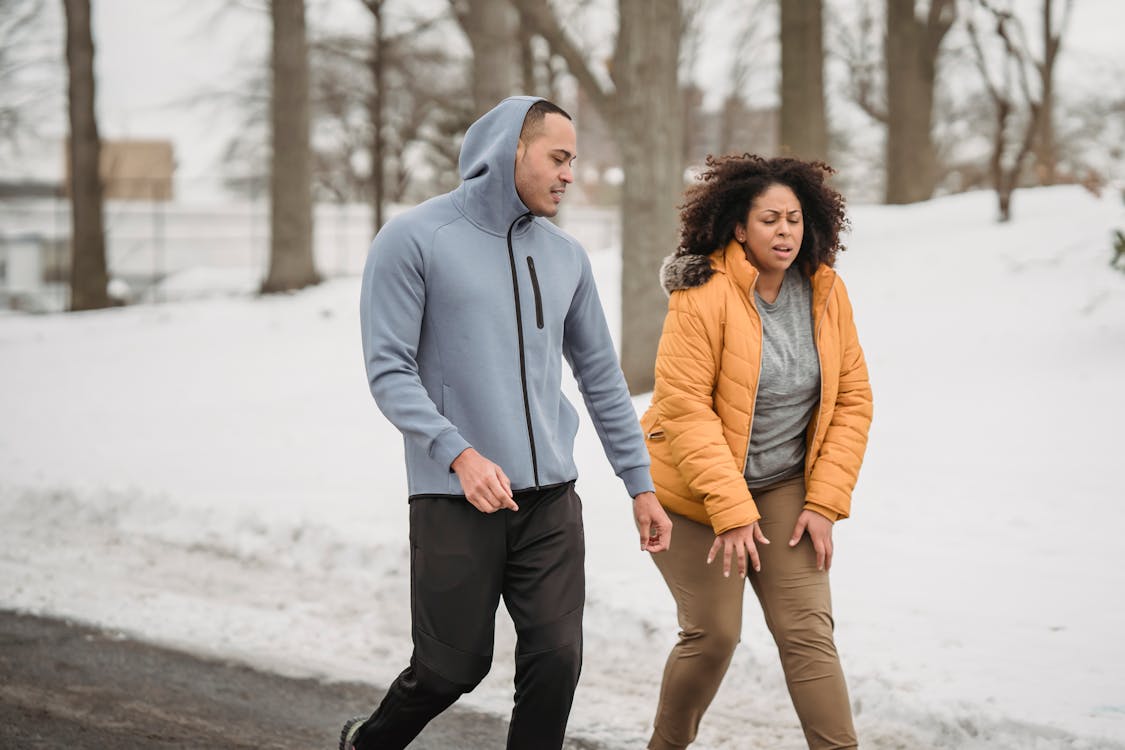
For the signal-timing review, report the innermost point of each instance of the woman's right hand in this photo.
(738, 541)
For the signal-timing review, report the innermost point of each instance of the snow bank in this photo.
(213, 475)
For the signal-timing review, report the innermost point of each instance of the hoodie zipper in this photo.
(523, 358)
(535, 286)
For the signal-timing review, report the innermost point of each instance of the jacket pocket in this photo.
(538, 296)
(654, 435)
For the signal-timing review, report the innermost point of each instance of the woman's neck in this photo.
(768, 285)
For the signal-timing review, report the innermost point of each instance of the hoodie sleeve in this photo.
(392, 300)
(589, 351)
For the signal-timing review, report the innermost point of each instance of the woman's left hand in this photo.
(820, 531)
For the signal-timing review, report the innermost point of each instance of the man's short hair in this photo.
(533, 121)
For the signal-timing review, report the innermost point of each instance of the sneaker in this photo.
(350, 730)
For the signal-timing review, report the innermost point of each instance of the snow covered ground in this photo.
(214, 475)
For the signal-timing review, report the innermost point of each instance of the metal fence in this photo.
(161, 251)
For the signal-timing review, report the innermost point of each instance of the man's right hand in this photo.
(485, 484)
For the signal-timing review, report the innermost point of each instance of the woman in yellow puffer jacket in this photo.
(757, 430)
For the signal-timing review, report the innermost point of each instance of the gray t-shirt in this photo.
(789, 387)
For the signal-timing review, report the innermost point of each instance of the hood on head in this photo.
(488, 166)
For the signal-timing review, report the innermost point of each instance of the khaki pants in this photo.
(797, 604)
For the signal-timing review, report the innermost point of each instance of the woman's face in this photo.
(772, 230)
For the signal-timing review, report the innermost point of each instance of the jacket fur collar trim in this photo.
(689, 271)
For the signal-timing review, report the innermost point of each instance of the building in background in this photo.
(133, 170)
(35, 241)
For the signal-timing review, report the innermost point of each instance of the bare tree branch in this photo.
(939, 20)
(1014, 64)
(538, 16)
(864, 82)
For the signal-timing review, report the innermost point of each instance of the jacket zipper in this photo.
(820, 362)
(758, 380)
(523, 359)
(535, 286)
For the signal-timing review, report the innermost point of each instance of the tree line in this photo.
(377, 114)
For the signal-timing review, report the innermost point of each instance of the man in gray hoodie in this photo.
(470, 302)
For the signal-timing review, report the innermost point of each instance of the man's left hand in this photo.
(652, 522)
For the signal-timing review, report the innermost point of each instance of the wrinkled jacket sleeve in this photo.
(589, 351)
(392, 301)
(837, 464)
(687, 363)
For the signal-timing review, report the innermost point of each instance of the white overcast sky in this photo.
(156, 58)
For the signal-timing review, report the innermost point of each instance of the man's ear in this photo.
(521, 147)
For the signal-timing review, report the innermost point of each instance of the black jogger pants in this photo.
(462, 562)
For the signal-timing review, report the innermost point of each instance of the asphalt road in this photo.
(69, 686)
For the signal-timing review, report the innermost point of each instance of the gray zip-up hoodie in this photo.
(468, 306)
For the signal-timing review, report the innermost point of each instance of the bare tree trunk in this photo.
(377, 109)
(650, 110)
(291, 253)
(1010, 178)
(528, 63)
(996, 162)
(644, 111)
(88, 276)
(804, 129)
(1046, 154)
(1046, 149)
(490, 26)
(1011, 81)
(911, 47)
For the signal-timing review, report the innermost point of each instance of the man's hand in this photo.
(739, 541)
(652, 522)
(485, 484)
(820, 531)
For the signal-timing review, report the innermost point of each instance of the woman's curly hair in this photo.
(726, 188)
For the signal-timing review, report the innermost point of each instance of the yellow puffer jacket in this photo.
(707, 367)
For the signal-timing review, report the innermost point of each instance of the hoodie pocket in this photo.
(538, 296)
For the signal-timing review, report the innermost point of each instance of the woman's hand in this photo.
(820, 531)
(739, 541)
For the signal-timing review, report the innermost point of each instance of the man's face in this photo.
(543, 165)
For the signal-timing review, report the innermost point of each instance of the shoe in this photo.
(350, 730)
